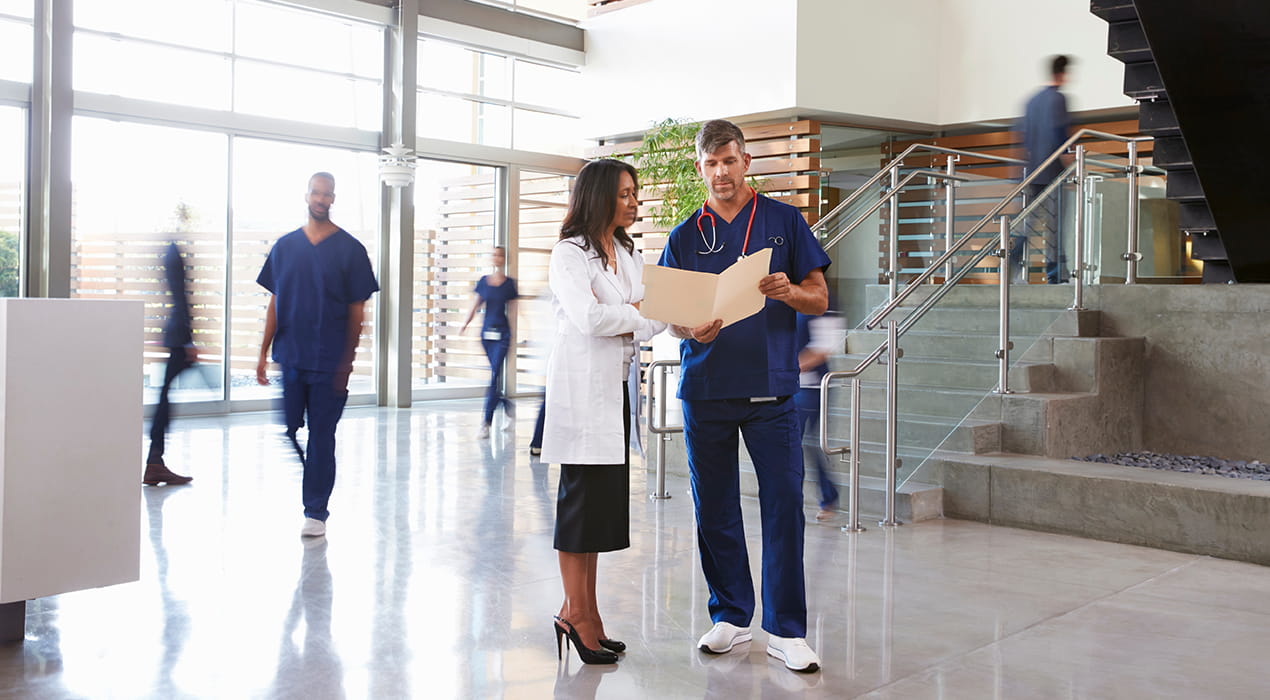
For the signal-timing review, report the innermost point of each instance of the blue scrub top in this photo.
(313, 286)
(496, 299)
(757, 356)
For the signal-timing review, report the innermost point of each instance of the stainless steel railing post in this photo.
(1078, 252)
(893, 255)
(657, 395)
(1003, 280)
(853, 498)
(892, 420)
(1132, 256)
(950, 205)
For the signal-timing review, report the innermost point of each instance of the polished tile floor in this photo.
(437, 580)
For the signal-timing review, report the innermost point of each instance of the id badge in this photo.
(492, 335)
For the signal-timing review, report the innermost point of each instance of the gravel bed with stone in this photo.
(1231, 468)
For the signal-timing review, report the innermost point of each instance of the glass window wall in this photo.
(129, 204)
(16, 40)
(472, 96)
(12, 196)
(544, 199)
(455, 223)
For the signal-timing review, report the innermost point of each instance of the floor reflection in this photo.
(437, 579)
(176, 618)
(308, 664)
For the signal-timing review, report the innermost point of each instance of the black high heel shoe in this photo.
(588, 656)
(613, 645)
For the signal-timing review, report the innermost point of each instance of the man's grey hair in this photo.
(716, 134)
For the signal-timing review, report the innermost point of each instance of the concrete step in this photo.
(972, 435)
(926, 401)
(873, 458)
(960, 374)
(1030, 296)
(914, 501)
(944, 345)
(1200, 514)
(1024, 321)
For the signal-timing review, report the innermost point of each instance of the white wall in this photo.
(694, 59)
(995, 54)
(850, 59)
(961, 60)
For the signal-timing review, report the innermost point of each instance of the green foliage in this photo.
(184, 217)
(8, 264)
(667, 156)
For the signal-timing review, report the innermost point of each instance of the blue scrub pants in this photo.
(808, 402)
(312, 394)
(496, 351)
(772, 437)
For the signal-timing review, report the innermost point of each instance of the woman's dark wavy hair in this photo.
(593, 204)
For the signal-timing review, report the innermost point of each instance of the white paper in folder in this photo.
(688, 298)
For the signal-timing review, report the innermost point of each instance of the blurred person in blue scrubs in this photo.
(319, 277)
(740, 381)
(497, 293)
(818, 338)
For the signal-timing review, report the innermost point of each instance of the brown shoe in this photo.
(159, 474)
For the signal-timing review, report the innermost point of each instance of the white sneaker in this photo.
(313, 528)
(484, 433)
(794, 652)
(722, 637)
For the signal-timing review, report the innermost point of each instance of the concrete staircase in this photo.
(1071, 395)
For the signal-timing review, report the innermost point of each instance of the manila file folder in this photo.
(688, 298)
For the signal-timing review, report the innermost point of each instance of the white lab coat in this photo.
(592, 308)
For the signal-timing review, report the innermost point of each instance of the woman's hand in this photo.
(705, 333)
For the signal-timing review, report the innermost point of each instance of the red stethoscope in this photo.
(713, 245)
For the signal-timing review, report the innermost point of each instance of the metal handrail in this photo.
(897, 162)
(913, 284)
(933, 174)
(657, 370)
(853, 496)
(979, 255)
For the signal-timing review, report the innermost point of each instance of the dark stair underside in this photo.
(1203, 71)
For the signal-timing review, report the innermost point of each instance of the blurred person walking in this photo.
(497, 293)
(1045, 127)
(817, 338)
(178, 336)
(319, 278)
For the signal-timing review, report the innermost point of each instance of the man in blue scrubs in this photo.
(320, 278)
(740, 380)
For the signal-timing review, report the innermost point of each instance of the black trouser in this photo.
(178, 362)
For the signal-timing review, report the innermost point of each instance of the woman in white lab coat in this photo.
(596, 281)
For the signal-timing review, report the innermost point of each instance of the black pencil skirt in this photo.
(593, 505)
